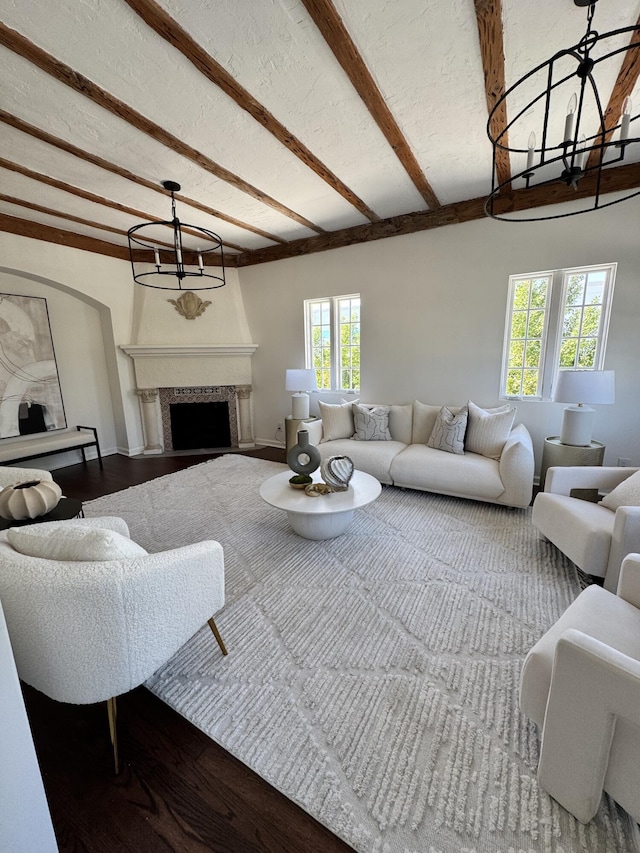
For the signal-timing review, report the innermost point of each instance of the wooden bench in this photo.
(46, 444)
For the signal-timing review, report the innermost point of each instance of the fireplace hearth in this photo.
(199, 418)
(196, 426)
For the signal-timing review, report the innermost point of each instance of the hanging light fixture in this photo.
(190, 257)
(557, 109)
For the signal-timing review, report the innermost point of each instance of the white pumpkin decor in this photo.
(29, 500)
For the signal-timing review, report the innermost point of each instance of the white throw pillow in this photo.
(488, 429)
(337, 420)
(401, 423)
(371, 423)
(66, 541)
(626, 494)
(424, 419)
(448, 431)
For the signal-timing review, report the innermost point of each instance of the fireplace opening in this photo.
(195, 426)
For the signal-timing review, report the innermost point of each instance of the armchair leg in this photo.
(112, 711)
(216, 634)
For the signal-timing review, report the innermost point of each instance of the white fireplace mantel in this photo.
(188, 350)
(164, 365)
(188, 365)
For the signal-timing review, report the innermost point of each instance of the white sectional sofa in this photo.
(404, 459)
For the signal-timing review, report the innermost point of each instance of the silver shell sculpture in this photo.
(337, 471)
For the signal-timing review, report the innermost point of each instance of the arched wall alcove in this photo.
(86, 356)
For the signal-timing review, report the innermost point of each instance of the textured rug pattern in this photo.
(373, 678)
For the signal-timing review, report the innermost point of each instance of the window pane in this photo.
(516, 354)
(521, 295)
(530, 383)
(587, 353)
(536, 324)
(523, 351)
(568, 353)
(533, 354)
(575, 289)
(519, 324)
(539, 293)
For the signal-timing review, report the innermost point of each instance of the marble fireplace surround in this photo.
(192, 373)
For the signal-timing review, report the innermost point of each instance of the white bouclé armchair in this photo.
(580, 684)
(592, 535)
(88, 630)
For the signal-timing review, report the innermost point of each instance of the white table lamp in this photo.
(300, 381)
(579, 387)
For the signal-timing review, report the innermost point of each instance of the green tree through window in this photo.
(332, 332)
(555, 320)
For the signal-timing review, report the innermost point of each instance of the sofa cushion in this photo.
(469, 475)
(424, 418)
(371, 423)
(488, 429)
(372, 457)
(627, 493)
(337, 420)
(401, 422)
(449, 430)
(68, 542)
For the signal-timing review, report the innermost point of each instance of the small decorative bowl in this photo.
(300, 481)
(314, 490)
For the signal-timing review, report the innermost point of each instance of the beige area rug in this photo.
(373, 678)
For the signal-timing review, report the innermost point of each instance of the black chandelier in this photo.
(191, 262)
(569, 145)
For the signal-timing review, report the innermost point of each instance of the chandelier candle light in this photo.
(183, 258)
(593, 138)
(579, 387)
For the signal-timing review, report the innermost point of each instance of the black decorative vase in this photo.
(303, 458)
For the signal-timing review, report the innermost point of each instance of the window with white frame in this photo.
(555, 319)
(332, 334)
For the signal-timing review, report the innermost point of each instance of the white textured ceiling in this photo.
(424, 56)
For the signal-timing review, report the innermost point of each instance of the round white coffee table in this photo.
(325, 516)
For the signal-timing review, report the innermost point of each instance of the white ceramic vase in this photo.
(29, 500)
(337, 471)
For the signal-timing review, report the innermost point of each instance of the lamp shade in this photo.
(301, 380)
(585, 386)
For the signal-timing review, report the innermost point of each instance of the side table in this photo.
(567, 455)
(67, 508)
(292, 425)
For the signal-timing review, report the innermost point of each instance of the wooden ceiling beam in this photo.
(68, 216)
(619, 179)
(336, 35)
(20, 45)
(67, 147)
(167, 28)
(489, 21)
(50, 234)
(613, 180)
(624, 85)
(96, 199)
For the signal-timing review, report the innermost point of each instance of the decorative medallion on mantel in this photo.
(189, 305)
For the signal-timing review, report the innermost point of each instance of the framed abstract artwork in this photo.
(30, 395)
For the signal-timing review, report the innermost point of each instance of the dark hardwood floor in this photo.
(178, 792)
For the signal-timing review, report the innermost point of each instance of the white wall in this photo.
(25, 822)
(433, 314)
(80, 350)
(94, 309)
